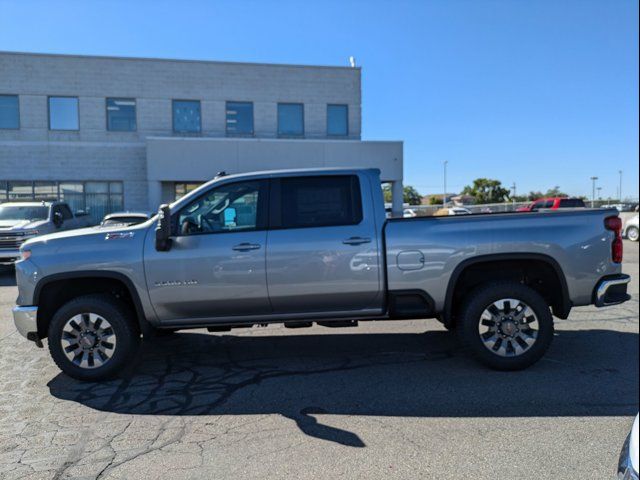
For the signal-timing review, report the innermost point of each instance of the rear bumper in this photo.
(9, 257)
(612, 290)
(26, 321)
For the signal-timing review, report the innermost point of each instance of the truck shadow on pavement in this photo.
(302, 377)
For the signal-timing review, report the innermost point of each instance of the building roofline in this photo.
(179, 60)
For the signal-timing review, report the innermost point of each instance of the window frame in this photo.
(253, 120)
(106, 113)
(335, 135)
(19, 116)
(289, 135)
(275, 205)
(49, 97)
(173, 116)
(262, 211)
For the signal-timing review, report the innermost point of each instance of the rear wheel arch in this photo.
(538, 271)
(53, 291)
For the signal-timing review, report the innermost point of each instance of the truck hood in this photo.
(83, 236)
(16, 225)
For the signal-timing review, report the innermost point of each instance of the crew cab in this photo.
(20, 221)
(552, 203)
(313, 246)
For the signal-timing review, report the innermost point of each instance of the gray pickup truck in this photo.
(305, 246)
(20, 221)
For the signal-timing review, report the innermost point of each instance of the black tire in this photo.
(470, 317)
(122, 325)
(632, 234)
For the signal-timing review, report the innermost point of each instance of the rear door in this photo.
(322, 248)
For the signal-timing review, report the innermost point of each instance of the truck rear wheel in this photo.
(92, 337)
(506, 325)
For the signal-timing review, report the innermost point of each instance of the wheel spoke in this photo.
(508, 327)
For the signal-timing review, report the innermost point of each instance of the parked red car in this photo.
(552, 203)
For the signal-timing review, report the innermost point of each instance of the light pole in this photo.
(444, 195)
(599, 193)
(593, 191)
(513, 187)
(620, 186)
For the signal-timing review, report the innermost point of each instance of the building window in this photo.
(63, 113)
(95, 199)
(9, 112)
(186, 116)
(290, 120)
(337, 120)
(239, 118)
(121, 114)
(181, 189)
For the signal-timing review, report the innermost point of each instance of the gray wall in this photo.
(199, 159)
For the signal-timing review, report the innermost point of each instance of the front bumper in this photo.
(26, 321)
(625, 465)
(612, 290)
(9, 257)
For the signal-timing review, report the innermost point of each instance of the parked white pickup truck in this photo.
(20, 221)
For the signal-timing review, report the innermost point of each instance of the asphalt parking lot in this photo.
(385, 400)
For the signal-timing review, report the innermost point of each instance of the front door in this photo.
(216, 264)
(322, 251)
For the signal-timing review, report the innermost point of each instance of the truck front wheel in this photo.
(506, 325)
(92, 337)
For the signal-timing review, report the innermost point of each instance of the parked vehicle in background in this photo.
(124, 219)
(20, 221)
(631, 229)
(553, 203)
(304, 246)
(409, 213)
(628, 463)
(443, 212)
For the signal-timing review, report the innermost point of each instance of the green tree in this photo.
(410, 195)
(555, 192)
(486, 190)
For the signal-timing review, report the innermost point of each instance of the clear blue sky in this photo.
(542, 93)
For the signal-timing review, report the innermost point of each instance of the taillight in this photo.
(615, 225)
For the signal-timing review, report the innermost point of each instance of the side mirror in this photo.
(57, 219)
(163, 230)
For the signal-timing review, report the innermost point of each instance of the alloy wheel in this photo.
(508, 327)
(88, 340)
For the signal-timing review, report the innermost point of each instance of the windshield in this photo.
(23, 212)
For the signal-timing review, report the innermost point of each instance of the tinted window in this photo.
(228, 208)
(63, 113)
(9, 112)
(15, 212)
(121, 114)
(239, 118)
(291, 119)
(66, 212)
(186, 116)
(571, 203)
(320, 201)
(337, 120)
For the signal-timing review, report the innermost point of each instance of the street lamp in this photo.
(599, 193)
(620, 187)
(593, 191)
(444, 196)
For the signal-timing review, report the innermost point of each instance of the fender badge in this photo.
(118, 235)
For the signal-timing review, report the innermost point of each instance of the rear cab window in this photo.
(319, 201)
(571, 203)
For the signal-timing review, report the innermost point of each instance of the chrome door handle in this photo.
(244, 247)
(356, 240)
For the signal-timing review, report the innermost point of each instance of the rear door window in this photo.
(319, 201)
